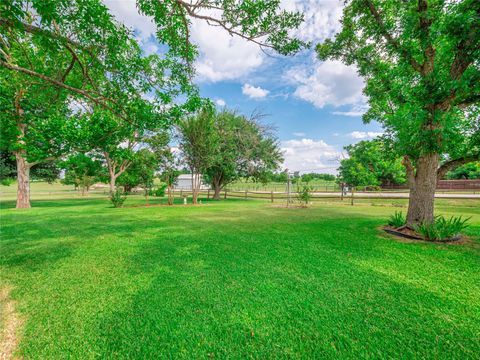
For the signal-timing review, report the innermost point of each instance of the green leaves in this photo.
(225, 146)
(368, 164)
(261, 21)
(420, 64)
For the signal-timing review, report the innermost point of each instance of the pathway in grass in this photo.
(10, 324)
(237, 279)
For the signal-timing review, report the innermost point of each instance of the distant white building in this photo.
(184, 182)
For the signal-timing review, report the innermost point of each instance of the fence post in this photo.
(246, 191)
(208, 194)
(181, 192)
(225, 196)
(351, 197)
(271, 196)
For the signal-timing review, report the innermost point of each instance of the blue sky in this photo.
(315, 106)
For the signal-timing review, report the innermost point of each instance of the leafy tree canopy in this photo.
(467, 171)
(244, 148)
(421, 64)
(141, 172)
(368, 164)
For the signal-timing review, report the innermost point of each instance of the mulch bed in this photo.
(408, 233)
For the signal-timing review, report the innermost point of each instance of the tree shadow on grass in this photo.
(211, 302)
(56, 203)
(243, 286)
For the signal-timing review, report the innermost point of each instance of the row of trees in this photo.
(67, 66)
(73, 79)
(225, 146)
(221, 146)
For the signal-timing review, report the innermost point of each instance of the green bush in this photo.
(305, 195)
(159, 191)
(442, 228)
(397, 219)
(118, 197)
(6, 181)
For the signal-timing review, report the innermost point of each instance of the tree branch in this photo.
(475, 98)
(31, 164)
(409, 169)
(101, 101)
(452, 164)
(389, 38)
(190, 8)
(32, 29)
(69, 68)
(465, 48)
(425, 23)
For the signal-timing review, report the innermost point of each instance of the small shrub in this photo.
(442, 228)
(117, 198)
(6, 181)
(397, 219)
(305, 195)
(159, 191)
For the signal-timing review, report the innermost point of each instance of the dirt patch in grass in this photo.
(153, 205)
(10, 324)
(291, 206)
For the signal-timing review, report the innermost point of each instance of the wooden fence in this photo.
(458, 185)
(273, 196)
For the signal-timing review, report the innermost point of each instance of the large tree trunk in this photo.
(217, 189)
(23, 168)
(23, 182)
(422, 186)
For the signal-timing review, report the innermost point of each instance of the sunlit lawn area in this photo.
(237, 279)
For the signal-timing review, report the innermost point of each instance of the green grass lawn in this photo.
(237, 279)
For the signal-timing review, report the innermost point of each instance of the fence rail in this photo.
(273, 196)
(445, 185)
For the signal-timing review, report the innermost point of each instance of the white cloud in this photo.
(327, 83)
(310, 155)
(222, 56)
(225, 57)
(254, 92)
(361, 135)
(299, 134)
(352, 113)
(220, 102)
(355, 111)
(322, 18)
(127, 13)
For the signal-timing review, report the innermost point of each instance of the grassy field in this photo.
(317, 185)
(235, 279)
